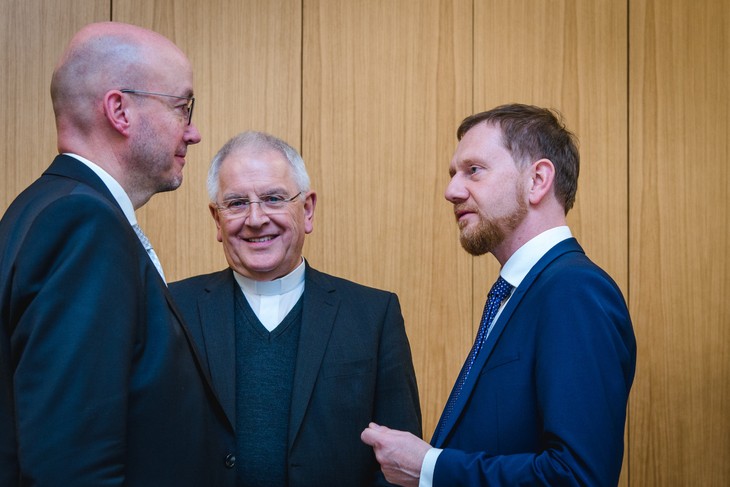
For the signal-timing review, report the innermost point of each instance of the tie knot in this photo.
(500, 289)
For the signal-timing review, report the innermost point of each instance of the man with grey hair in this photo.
(100, 383)
(301, 360)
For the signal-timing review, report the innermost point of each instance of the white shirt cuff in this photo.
(428, 466)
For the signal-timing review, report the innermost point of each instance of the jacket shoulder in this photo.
(345, 286)
(196, 284)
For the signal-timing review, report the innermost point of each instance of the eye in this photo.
(474, 169)
(236, 204)
(273, 199)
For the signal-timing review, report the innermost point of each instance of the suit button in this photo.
(230, 460)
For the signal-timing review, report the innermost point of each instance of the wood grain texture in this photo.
(680, 236)
(384, 86)
(568, 55)
(32, 37)
(371, 92)
(246, 58)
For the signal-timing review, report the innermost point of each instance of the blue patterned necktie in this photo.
(499, 292)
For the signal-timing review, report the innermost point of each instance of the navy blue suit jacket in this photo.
(353, 366)
(545, 403)
(99, 381)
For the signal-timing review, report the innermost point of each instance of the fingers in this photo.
(370, 435)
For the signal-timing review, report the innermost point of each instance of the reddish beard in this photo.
(490, 232)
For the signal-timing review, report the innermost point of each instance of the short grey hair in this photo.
(256, 142)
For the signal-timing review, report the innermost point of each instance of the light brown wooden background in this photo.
(371, 92)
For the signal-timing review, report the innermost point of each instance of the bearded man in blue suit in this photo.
(542, 398)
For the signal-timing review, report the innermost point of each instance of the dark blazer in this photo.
(353, 366)
(545, 403)
(99, 381)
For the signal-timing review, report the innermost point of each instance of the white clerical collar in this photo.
(112, 184)
(281, 285)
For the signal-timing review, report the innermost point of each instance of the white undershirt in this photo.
(273, 300)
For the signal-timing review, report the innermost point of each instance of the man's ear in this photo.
(216, 216)
(542, 174)
(310, 201)
(116, 111)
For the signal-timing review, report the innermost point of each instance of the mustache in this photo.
(465, 208)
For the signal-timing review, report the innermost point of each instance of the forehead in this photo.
(171, 71)
(255, 170)
(482, 142)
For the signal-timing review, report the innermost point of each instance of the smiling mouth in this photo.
(259, 239)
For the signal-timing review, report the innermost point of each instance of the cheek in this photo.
(228, 231)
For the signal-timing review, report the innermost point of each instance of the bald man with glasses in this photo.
(100, 380)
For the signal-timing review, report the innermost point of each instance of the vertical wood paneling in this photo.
(385, 84)
(32, 36)
(680, 236)
(246, 57)
(372, 91)
(569, 55)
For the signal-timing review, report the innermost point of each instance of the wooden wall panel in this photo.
(246, 57)
(572, 56)
(569, 55)
(32, 35)
(680, 236)
(384, 87)
(372, 92)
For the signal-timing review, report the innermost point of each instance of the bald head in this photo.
(101, 57)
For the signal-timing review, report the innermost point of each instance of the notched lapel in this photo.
(569, 245)
(479, 363)
(216, 306)
(318, 317)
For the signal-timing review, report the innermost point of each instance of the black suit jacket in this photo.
(99, 380)
(353, 366)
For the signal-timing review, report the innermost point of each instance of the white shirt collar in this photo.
(520, 263)
(281, 285)
(114, 187)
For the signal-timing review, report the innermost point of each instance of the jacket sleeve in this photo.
(584, 360)
(397, 403)
(76, 322)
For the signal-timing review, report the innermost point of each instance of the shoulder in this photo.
(345, 287)
(68, 216)
(574, 273)
(202, 282)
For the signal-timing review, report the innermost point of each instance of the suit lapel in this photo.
(569, 245)
(70, 167)
(318, 317)
(216, 309)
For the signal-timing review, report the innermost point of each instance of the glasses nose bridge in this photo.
(261, 210)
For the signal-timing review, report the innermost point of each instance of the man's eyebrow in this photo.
(266, 192)
(273, 191)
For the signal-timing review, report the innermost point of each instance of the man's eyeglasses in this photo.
(187, 108)
(241, 207)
